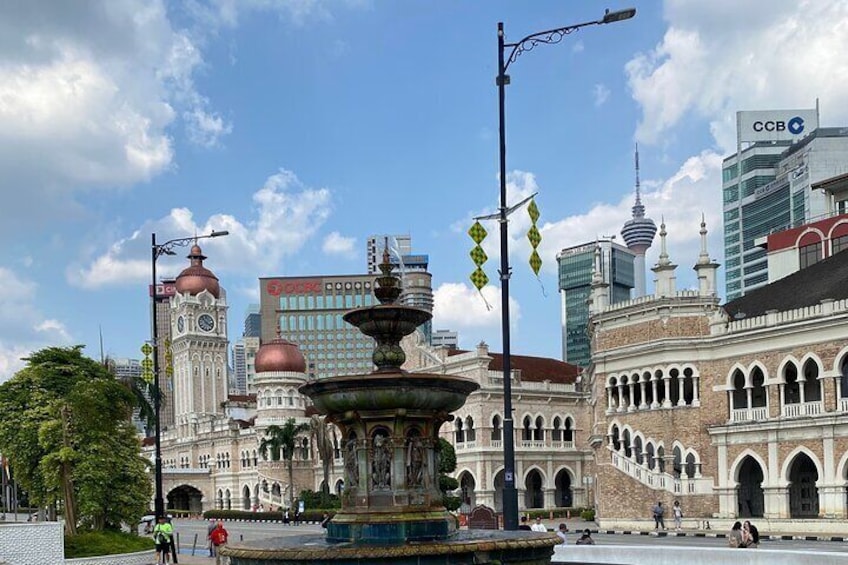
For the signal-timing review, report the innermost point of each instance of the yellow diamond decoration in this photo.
(479, 278)
(535, 262)
(478, 255)
(534, 236)
(477, 232)
(533, 210)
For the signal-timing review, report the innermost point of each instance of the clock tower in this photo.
(199, 345)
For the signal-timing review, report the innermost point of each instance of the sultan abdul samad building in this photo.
(735, 410)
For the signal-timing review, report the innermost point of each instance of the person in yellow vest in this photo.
(162, 533)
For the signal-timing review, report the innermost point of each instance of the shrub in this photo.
(106, 542)
(588, 515)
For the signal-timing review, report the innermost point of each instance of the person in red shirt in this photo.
(218, 537)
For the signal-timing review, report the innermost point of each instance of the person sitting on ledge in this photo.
(734, 538)
(586, 538)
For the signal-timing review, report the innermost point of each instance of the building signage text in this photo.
(276, 287)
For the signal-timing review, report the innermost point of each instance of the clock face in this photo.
(205, 322)
(181, 324)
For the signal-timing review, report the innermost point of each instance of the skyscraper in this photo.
(239, 368)
(376, 244)
(576, 267)
(252, 322)
(638, 233)
(767, 186)
(164, 291)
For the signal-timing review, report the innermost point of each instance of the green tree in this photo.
(66, 433)
(447, 464)
(321, 432)
(282, 440)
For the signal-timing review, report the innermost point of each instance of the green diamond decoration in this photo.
(535, 262)
(533, 210)
(478, 255)
(477, 232)
(534, 236)
(479, 278)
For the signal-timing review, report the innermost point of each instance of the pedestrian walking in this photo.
(677, 513)
(219, 538)
(162, 533)
(659, 511)
(209, 528)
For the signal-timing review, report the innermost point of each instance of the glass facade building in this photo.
(766, 188)
(309, 312)
(576, 267)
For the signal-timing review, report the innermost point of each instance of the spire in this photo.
(704, 256)
(638, 208)
(663, 258)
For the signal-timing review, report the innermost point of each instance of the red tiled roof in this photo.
(533, 369)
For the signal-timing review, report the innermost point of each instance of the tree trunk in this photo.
(67, 482)
(290, 463)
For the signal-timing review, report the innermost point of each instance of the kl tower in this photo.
(638, 234)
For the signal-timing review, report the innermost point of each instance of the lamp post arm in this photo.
(550, 37)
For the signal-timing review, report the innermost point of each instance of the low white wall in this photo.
(32, 543)
(766, 526)
(651, 555)
(139, 558)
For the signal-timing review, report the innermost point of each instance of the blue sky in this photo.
(304, 126)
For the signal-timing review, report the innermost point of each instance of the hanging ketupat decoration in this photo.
(478, 233)
(534, 236)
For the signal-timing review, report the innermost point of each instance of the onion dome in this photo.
(197, 278)
(279, 355)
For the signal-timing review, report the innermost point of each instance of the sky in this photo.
(305, 126)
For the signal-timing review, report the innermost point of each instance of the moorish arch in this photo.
(467, 487)
(185, 497)
(748, 472)
(534, 488)
(498, 485)
(563, 484)
(801, 472)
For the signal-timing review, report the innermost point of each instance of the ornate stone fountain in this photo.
(391, 506)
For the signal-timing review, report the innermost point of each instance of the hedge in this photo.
(109, 542)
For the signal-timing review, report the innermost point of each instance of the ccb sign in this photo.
(794, 125)
(777, 125)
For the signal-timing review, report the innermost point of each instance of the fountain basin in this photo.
(467, 547)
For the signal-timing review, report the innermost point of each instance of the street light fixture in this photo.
(510, 494)
(156, 251)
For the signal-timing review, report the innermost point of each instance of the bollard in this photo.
(194, 545)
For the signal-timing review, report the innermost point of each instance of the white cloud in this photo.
(723, 56)
(460, 307)
(578, 46)
(336, 244)
(601, 94)
(23, 328)
(287, 215)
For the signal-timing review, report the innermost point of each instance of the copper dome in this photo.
(197, 278)
(279, 355)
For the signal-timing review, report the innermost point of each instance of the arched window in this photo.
(791, 387)
(556, 432)
(459, 433)
(628, 452)
(843, 379)
(616, 440)
(690, 465)
(496, 428)
(652, 461)
(526, 429)
(568, 432)
(759, 395)
(739, 397)
(812, 386)
(470, 432)
(539, 431)
(637, 450)
(661, 459)
(677, 462)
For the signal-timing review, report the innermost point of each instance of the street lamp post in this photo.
(510, 493)
(156, 251)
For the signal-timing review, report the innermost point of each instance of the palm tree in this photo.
(142, 392)
(320, 430)
(283, 439)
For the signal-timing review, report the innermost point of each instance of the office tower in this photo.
(239, 368)
(444, 338)
(767, 186)
(376, 244)
(164, 291)
(252, 322)
(638, 233)
(576, 267)
(308, 311)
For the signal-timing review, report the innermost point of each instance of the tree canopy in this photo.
(66, 432)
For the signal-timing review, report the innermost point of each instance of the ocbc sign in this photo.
(301, 286)
(794, 125)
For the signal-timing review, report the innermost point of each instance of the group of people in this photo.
(658, 512)
(744, 535)
(562, 532)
